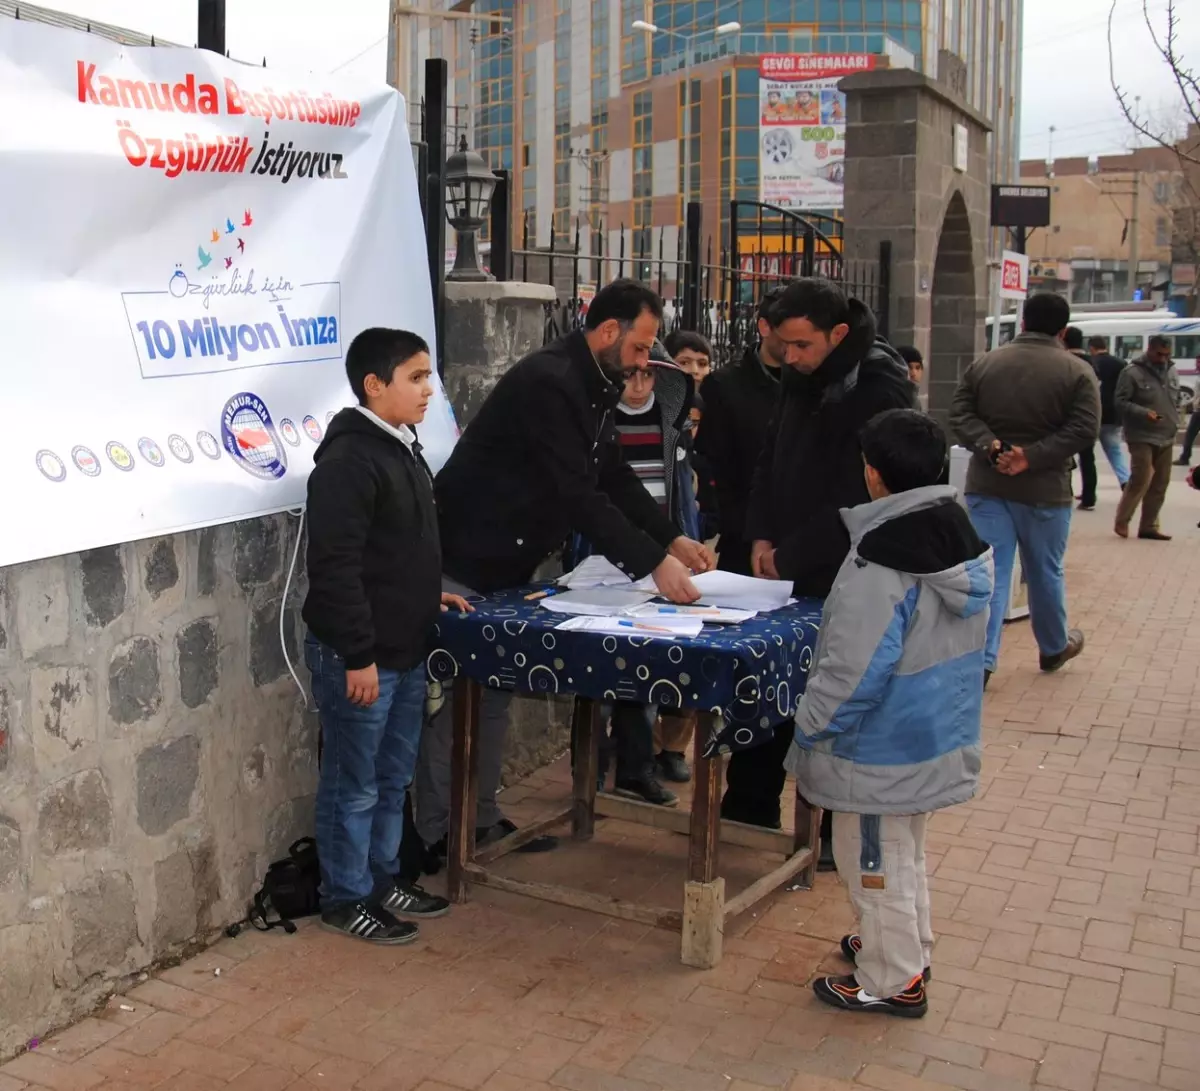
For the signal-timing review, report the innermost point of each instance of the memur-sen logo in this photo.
(249, 435)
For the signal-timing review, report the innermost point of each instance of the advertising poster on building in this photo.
(802, 127)
(190, 245)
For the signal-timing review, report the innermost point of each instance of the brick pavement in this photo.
(1066, 901)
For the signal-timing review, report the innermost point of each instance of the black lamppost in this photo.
(469, 186)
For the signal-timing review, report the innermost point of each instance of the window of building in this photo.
(634, 47)
(642, 144)
(1162, 192)
(690, 171)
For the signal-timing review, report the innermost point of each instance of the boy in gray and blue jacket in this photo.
(889, 726)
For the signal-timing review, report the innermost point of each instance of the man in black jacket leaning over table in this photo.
(837, 375)
(540, 460)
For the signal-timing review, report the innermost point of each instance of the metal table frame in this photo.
(705, 909)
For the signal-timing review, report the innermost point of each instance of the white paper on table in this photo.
(659, 629)
(710, 615)
(594, 571)
(735, 591)
(596, 601)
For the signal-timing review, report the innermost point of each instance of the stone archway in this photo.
(954, 307)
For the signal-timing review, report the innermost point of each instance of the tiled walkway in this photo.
(1067, 904)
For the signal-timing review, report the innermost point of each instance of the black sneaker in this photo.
(410, 900)
(368, 922)
(547, 842)
(647, 789)
(674, 767)
(852, 944)
(847, 993)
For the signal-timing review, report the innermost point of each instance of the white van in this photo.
(1125, 331)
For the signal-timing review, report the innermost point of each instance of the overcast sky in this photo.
(1065, 62)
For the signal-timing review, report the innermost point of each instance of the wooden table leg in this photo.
(807, 835)
(704, 894)
(586, 740)
(464, 785)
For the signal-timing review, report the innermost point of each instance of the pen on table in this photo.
(631, 624)
(541, 594)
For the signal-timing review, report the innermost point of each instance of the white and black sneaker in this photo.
(368, 922)
(410, 900)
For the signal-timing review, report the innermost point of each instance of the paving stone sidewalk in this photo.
(1066, 902)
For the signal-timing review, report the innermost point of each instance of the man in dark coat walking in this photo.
(837, 375)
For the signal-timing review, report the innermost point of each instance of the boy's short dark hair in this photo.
(821, 301)
(1098, 342)
(910, 354)
(379, 351)
(1073, 337)
(624, 299)
(906, 448)
(688, 339)
(1158, 341)
(1046, 313)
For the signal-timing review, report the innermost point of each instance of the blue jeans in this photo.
(1041, 535)
(1113, 441)
(367, 764)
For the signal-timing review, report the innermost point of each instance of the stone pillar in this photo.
(902, 185)
(490, 325)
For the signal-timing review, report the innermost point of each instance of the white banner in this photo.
(1014, 275)
(189, 246)
(802, 127)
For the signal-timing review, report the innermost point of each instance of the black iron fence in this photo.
(713, 287)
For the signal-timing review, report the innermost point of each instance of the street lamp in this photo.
(731, 27)
(469, 186)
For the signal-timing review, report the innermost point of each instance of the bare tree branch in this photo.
(1166, 43)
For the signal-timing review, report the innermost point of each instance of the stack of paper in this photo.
(596, 571)
(658, 629)
(736, 592)
(596, 601)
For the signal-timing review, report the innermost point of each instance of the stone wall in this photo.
(155, 754)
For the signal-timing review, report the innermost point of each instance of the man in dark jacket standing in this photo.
(1025, 410)
(1073, 341)
(836, 376)
(1147, 401)
(541, 460)
(738, 404)
(1108, 370)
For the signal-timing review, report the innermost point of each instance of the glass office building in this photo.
(589, 114)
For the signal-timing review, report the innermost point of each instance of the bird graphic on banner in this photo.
(205, 259)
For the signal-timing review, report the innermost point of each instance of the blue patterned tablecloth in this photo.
(753, 674)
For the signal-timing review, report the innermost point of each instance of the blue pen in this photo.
(642, 625)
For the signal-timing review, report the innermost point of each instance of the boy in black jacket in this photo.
(374, 573)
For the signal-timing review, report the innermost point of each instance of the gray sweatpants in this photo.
(431, 783)
(882, 862)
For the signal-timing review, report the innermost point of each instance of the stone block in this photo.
(255, 552)
(206, 884)
(103, 575)
(75, 814)
(64, 713)
(10, 852)
(27, 984)
(160, 569)
(206, 561)
(197, 656)
(267, 663)
(166, 779)
(539, 730)
(134, 684)
(175, 901)
(103, 921)
(43, 614)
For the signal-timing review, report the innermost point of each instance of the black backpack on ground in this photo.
(290, 890)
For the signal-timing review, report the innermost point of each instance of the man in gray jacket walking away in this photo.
(1147, 401)
(1025, 410)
